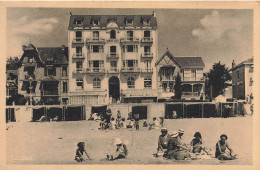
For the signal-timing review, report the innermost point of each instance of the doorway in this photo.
(114, 88)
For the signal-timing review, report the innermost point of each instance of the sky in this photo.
(213, 34)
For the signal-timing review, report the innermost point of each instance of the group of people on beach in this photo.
(170, 146)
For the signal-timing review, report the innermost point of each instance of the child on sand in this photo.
(121, 150)
(196, 144)
(221, 149)
(123, 123)
(80, 152)
(112, 123)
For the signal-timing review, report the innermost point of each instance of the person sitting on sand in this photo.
(154, 125)
(80, 152)
(175, 149)
(163, 141)
(121, 150)
(131, 124)
(196, 144)
(223, 150)
(55, 119)
(145, 124)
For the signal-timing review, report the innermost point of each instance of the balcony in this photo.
(167, 78)
(112, 40)
(193, 79)
(50, 93)
(147, 55)
(95, 40)
(78, 42)
(78, 57)
(113, 55)
(147, 40)
(113, 70)
(130, 70)
(95, 70)
(129, 40)
(26, 77)
(78, 71)
(147, 70)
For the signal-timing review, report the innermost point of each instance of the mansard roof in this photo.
(120, 20)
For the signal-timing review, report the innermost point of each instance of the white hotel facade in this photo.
(112, 58)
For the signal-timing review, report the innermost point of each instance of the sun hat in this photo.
(118, 141)
(174, 134)
(163, 129)
(181, 131)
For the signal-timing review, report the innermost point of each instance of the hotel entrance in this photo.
(114, 89)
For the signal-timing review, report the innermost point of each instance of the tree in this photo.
(177, 87)
(12, 63)
(217, 77)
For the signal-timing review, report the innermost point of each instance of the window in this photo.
(147, 34)
(79, 66)
(96, 82)
(238, 75)
(64, 70)
(113, 66)
(112, 49)
(78, 51)
(251, 69)
(129, 21)
(130, 35)
(65, 87)
(147, 50)
(49, 57)
(131, 82)
(78, 22)
(95, 22)
(79, 83)
(112, 34)
(97, 48)
(148, 82)
(251, 81)
(146, 22)
(130, 63)
(78, 36)
(130, 48)
(95, 35)
(50, 71)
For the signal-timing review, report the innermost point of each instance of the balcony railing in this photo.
(147, 40)
(95, 40)
(78, 40)
(78, 71)
(78, 56)
(193, 79)
(112, 40)
(167, 78)
(129, 39)
(44, 92)
(190, 94)
(113, 55)
(130, 69)
(147, 55)
(26, 77)
(113, 70)
(147, 70)
(94, 70)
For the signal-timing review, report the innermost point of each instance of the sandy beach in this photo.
(56, 142)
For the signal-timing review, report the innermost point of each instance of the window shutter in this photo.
(45, 71)
(54, 71)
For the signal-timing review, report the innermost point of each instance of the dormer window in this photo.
(129, 22)
(78, 22)
(49, 57)
(112, 20)
(95, 22)
(146, 22)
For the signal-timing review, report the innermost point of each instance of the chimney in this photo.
(233, 63)
(63, 47)
(154, 13)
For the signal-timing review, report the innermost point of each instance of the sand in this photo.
(56, 142)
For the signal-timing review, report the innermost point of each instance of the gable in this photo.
(167, 59)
